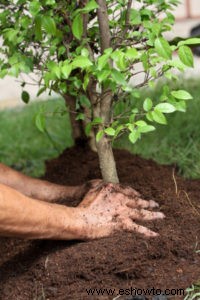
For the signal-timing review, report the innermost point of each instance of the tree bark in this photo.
(107, 161)
(104, 147)
(77, 126)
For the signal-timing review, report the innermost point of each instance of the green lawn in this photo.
(26, 149)
(23, 146)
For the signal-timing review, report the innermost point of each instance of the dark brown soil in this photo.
(64, 270)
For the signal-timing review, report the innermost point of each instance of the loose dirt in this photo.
(64, 270)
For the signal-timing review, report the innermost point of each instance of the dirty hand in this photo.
(108, 208)
(82, 189)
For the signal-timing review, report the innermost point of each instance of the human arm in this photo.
(103, 211)
(25, 217)
(42, 189)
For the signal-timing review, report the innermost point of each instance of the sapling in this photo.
(91, 53)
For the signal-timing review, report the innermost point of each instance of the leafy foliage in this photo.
(62, 42)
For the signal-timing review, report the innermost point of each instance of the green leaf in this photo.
(40, 122)
(81, 62)
(163, 48)
(86, 81)
(11, 34)
(49, 25)
(99, 135)
(159, 117)
(80, 116)
(135, 17)
(176, 63)
(90, 6)
(165, 108)
(103, 60)
(84, 101)
(145, 129)
(118, 77)
(42, 90)
(3, 73)
(77, 27)
(110, 131)
(119, 129)
(181, 94)
(131, 53)
(85, 52)
(186, 56)
(192, 41)
(66, 70)
(149, 116)
(38, 28)
(14, 70)
(118, 57)
(57, 71)
(103, 75)
(34, 7)
(134, 136)
(50, 2)
(25, 97)
(132, 118)
(180, 106)
(96, 121)
(88, 129)
(147, 105)
(156, 28)
(140, 123)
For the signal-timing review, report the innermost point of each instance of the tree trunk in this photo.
(104, 148)
(107, 161)
(102, 109)
(78, 133)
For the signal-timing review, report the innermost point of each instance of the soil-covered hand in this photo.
(82, 189)
(108, 208)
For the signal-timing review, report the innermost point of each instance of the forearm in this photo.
(36, 188)
(24, 217)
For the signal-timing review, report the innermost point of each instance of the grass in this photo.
(23, 146)
(193, 292)
(26, 149)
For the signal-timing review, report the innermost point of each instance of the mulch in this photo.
(67, 270)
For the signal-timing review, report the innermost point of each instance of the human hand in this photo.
(108, 208)
(82, 189)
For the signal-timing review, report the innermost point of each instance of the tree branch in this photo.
(128, 13)
(103, 25)
(105, 36)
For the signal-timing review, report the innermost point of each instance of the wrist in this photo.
(79, 191)
(73, 224)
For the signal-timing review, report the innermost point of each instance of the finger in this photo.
(89, 198)
(131, 192)
(128, 191)
(145, 215)
(142, 203)
(133, 227)
(95, 183)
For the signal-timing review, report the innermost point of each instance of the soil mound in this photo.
(67, 270)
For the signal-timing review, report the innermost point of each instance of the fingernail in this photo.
(153, 203)
(154, 234)
(160, 215)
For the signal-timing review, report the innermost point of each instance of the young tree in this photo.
(90, 52)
